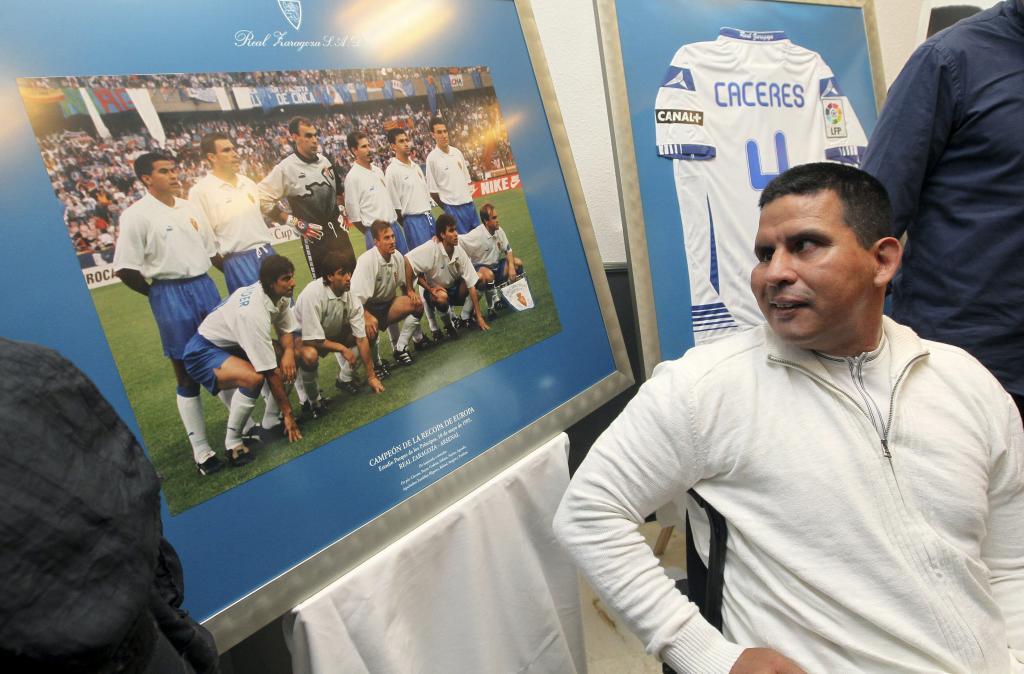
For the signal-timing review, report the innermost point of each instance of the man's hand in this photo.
(309, 230)
(439, 295)
(288, 370)
(291, 428)
(481, 323)
(764, 661)
(371, 325)
(414, 297)
(374, 383)
(347, 354)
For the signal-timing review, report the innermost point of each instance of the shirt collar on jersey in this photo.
(754, 35)
(178, 202)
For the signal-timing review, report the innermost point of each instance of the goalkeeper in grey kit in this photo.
(306, 180)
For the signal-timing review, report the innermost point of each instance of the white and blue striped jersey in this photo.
(732, 114)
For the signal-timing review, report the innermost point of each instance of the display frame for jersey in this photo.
(679, 304)
(258, 549)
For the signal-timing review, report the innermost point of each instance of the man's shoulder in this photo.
(722, 359)
(966, 34)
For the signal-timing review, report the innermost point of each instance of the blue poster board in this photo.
(271, 59)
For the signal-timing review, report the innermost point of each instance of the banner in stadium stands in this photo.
(142, 161)
(482, 188)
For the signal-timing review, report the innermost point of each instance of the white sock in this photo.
(345, 371)
(466, 309)
(492, 295)
(408, 327)
(241, 410)
(431, 319)
(191, 412)
(308, 387)
(300, 390)
(395, 332)
(271, 413)
(226, 396)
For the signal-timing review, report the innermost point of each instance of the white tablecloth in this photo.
(482, 587)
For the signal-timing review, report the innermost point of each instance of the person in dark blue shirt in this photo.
(949, 148)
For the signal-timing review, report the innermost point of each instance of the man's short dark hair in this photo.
(435, 121)
(378, 227)
(295, 122)
(866, 207)
(394, 133)
(443, 223)
(144, 162)
(208, 144)
(353, 138)
(272, 268)
(337, 260)
(485, 212)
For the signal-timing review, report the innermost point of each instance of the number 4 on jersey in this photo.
(759, 179)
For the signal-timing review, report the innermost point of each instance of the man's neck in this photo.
(404, 160)
(229, 177)
(308, 160)
(365, 163)
(444, 149)
(166, 198)
(449, 249)
(386, 256)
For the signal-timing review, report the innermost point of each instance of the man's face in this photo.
(386, 242)
(305, 140)
(491, 223)
(224, 158)
(817, 287)
(401, 147)
(450, 236)
(163, 181)
(363, 152)
(340, 281)
(284, 285)
(440, 132)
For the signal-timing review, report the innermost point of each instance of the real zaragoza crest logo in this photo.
(292, 10)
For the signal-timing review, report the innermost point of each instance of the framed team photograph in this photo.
(709, 101)
(92, 130)
(333, 268)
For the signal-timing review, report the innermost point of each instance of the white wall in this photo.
(568, 31)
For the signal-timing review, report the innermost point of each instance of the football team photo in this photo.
(278, 258)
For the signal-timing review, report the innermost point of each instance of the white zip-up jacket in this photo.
(845, 554)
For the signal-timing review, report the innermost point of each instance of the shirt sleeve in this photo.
(271, 189)
(255, 339)
(286, 322)
(352, 199)
(309, 315)
(393, 182)
(469, 274)
(844, 138)
(1003, 546)
(431, 167)
(420, 258)
(647, 457)
(130, 249)
(919, 115)
(362, 283)
(355, 319)
(679, 115)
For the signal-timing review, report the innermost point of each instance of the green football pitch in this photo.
(150, 384)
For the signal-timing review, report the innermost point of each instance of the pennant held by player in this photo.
(517, 293)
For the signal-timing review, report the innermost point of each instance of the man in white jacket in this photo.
(872, 481)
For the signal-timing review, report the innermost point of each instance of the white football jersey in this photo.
(732, 114)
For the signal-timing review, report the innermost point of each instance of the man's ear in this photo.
(887, 252)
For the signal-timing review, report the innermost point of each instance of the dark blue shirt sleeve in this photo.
(911, 134)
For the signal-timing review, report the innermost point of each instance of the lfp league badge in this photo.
(292, 10)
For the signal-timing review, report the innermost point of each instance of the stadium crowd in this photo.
(93, 177)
